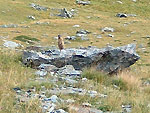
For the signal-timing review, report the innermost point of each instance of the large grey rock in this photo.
(109, 59)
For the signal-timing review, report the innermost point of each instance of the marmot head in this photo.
(59, 36)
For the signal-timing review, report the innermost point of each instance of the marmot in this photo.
(60, 42)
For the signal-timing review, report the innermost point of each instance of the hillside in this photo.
(37, 23)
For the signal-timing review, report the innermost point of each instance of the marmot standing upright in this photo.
(60, 42)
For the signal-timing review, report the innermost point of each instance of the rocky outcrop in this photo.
(109, 59)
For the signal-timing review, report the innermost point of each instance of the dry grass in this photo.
(133, 82)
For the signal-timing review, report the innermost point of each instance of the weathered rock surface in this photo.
(109, 59)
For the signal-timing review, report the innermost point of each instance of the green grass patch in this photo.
(38, 85)
(27, 39)
(105, 108)
(120, 83)
(97, 76)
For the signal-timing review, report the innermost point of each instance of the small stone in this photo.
(134, 0)
(11, 44)
(98, 36)
(51, 110)
(127, 108)
(120, 2)
(110, 35)
(38, 7)
(107, 29)
(54, 98)
(84, 38)
(71, 37)
(41, 73)
(84, 79)
(60, 111)
(31, 17)
(122, 15)
(70, 101)
(76, 26)
(65, 13)
(83, 2)
(86, 105)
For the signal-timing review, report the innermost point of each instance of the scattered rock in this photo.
(9, 26)
(86, 105)
(134, 0)
(108, 29)
(83, 2)
(81, 109)
(66, 14)
(131, 15)
(48, 67)
(68, 70)
(71, 37)
(76, 26)
(110, 35)
(38, 7)
(82, 31)
(122, 15)
(120, 2)
(31, 17)
(127, 108)
(84, 38)
(42, 23)
(54, 98)
(11, 44)
(41, 73)
(98, 36)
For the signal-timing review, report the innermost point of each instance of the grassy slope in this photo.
(103, 14)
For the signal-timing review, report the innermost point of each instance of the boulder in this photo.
(108, 59)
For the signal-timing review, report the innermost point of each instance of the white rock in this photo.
(76, 26)
(11, 44)
(41, 73)
(86, 105)
(54, 98)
